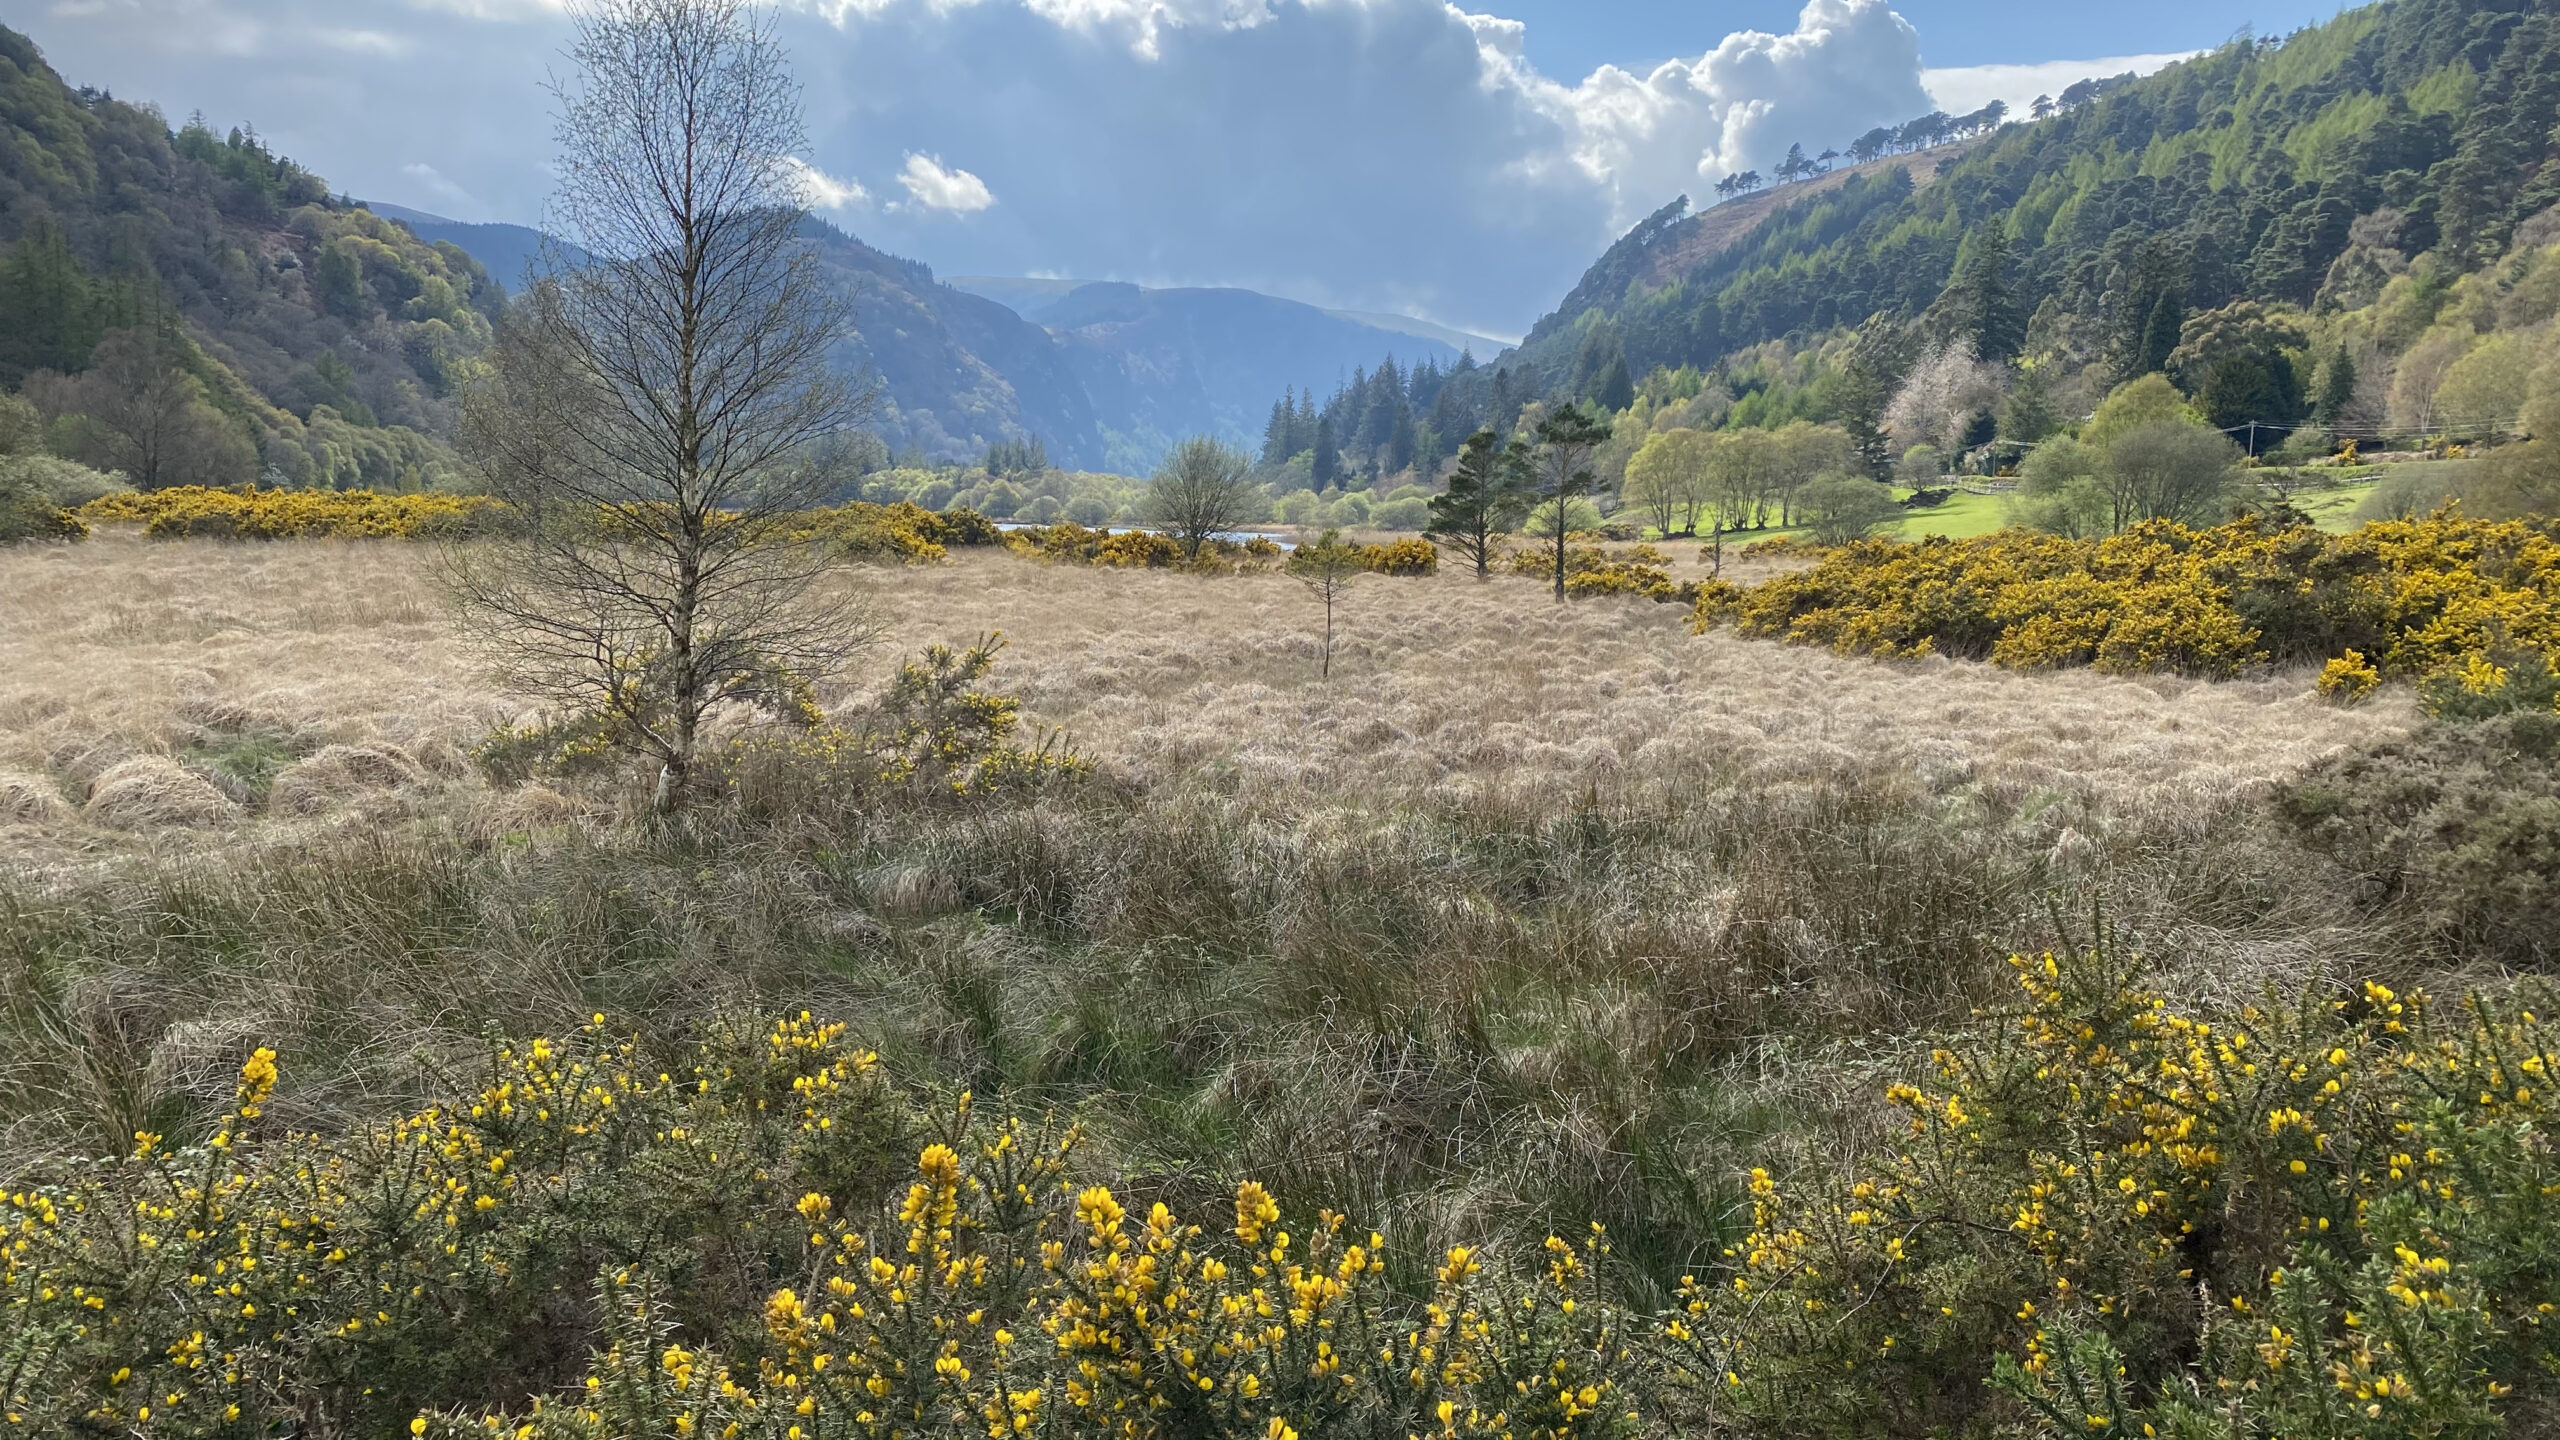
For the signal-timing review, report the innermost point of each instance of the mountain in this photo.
(1162, 364)
(1031, 296)
(509, 253)
(2239, 175)
(1106, 376)
(306, 338)
(956, 372)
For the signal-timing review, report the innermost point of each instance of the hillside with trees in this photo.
(189, 306)
(2338, 236)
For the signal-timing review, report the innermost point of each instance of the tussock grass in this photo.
(1533, 916)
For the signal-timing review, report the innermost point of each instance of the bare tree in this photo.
(660, 404)
(1203, 490)
(136, 410)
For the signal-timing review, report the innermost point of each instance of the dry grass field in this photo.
(1532, 917)
(138, 679)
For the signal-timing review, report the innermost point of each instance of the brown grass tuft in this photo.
(342, 773)
(152, 792)
(28, 800)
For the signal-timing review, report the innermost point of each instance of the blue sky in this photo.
(1394, 155)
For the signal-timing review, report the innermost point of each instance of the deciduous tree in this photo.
(661, 402)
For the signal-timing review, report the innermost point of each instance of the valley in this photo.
(1933, 810)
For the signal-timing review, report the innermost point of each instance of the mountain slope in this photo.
(2232, 176)
(329, 341)
(508, 252)
(1162, 364)
(956, 372)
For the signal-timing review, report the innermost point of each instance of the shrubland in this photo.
(1468, 948)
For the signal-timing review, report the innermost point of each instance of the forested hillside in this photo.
(183, 305)
(2234, 176)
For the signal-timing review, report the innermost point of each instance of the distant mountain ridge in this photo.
(1031, 296)
(1107, 376)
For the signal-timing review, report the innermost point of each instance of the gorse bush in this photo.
(2106, 1217)
(247, 512)
(1592, 569)
(2420, 597)
(1411, 556)
(29, 511)
(903, 533)
(761, 1271)
(2332, 1218)
(933, 733)
(1069, 543)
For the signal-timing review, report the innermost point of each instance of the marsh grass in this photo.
(1536, 915)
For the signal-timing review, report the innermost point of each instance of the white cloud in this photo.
(822, 191)
(937, 188)
(1970, 87)
(362, 42)
(1848, 65)
(445, 190)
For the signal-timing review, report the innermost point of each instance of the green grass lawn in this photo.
(1962, 517)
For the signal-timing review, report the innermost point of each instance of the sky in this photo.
(1388, 155)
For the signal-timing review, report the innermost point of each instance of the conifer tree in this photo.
(1488, 493)
(1328, 459)
(1567, 439)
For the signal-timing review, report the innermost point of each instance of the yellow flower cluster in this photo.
(2100, 1199)
(2419, 596)
(411, 1278)
(904, 533)
(1592, 569)
(247, 512)
(1410, 556)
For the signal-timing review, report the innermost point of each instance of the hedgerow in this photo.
(2419, 597)
(247, 512)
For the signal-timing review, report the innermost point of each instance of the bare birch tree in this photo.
(661, 404)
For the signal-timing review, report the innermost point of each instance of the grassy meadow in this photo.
(1533, 917)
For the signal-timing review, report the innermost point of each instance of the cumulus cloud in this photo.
(822, 191)
(1970, 87)
(936, 187)
(1848, 65)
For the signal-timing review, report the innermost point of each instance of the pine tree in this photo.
(51, 314)
(1400, 442)
(1615, 390)
(1275, 434)
(1328, 460)
(1567, 438)
(2028, 415)
(1988, 306)
(2337, 389)
(1488, 493)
